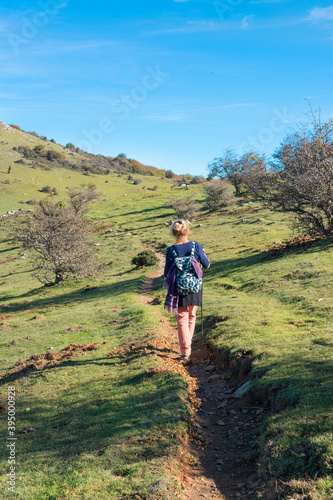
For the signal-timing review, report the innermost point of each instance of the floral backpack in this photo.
(187, 280)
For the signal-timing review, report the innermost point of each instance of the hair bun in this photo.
(180, 227)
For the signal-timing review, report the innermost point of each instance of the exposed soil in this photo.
(27, 337)
(302, 242)
(218, 460)
(50, 358)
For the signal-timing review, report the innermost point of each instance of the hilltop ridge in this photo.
(37, 151)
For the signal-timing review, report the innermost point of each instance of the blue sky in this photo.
(170, 83)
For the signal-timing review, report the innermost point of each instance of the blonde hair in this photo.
(180, 227)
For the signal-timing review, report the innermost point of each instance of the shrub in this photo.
(137, 181)
(198, 179)
(185, 207)
(39, 149)
(7, 181)
(46, 189)
(55, 155)
(218, 195)
(15, 127)
(145, 258)
(71, 146)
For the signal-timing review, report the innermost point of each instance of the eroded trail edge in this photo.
(218, 461)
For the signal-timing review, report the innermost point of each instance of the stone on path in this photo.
(242, 390)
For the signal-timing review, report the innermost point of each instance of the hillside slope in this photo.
(267, 314)
(17, 146)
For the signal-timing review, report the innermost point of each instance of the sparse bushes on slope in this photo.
(86, 162)
(49, 190)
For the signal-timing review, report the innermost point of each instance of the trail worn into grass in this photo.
(218, 461)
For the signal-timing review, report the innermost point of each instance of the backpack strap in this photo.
(174, 252)
(193, 249)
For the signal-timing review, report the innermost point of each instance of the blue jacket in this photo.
(184, 250)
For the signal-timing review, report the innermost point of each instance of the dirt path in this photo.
(219, 459)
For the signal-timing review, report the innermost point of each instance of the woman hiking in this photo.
(183, 279)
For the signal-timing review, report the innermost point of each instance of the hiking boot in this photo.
(184, 358)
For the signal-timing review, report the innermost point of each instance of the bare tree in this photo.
(218, 194)
(81, 198)
(254, 172)
(245, 173)
(303, 180)
(228, 167)
(186, 207)
(57, 238)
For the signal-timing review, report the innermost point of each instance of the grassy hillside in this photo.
(105, 423)
(19, 147)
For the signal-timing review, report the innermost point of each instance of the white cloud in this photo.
(321, 14)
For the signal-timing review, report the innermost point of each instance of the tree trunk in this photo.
(58, 278)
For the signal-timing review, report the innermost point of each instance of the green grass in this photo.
(105, 425)
(276, 312)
